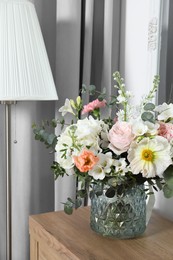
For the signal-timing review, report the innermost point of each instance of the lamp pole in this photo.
(8, 178)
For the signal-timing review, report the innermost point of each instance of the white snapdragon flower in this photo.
(67, 108)
(120, 115)
(121, 166)
(102, 167)
(65, 149)
(165, 111)
(121, 99)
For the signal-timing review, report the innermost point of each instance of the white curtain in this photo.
(108, 47)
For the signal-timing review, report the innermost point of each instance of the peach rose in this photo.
(120, 137)
(85, 161)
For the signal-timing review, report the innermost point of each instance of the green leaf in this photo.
(113, 101)
(168, 176)
(84, 88)
(168, 192)
(54, 123)
(100, 98)
(92, 89)
(68, 208)
(148, 116)
(70, 200)
(110, 193)
(51, 138)
(112, 182)
(149, 106)
(78, 202)
(82, 193)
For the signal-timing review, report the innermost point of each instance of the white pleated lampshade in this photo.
(25, 73)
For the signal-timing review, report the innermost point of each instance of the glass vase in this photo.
(121, 216)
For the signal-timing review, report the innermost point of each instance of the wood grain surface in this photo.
(56, 235)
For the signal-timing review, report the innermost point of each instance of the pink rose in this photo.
(120, 137)
(166, 130)
(93, 105)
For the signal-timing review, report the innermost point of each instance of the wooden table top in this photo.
(72, 234)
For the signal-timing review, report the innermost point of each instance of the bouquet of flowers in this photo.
(133, 145)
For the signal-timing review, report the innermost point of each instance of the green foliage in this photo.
(148, 116)
(49, 139)
(168, 177)
(70, 204)
(168, 191)
(149, 106)
(58, 170)
(92, 90)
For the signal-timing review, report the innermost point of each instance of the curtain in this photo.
(99, 41)
(86, 42)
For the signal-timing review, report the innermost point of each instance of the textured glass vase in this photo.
(122, 216)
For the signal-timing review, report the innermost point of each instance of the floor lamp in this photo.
(25, 74)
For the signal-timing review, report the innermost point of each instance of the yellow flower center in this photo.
(147, 155)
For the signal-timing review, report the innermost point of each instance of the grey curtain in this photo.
(100, 45)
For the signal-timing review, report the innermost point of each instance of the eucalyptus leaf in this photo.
(100, 98)
(168, 192)
(54, 123)
(78, 202)
(68, 209)
(70, 200)
(82, 193)
(92, 89)
(51, 138)
(149, 106)
(110, 193)
(112, 182)
(148, 116)
(84, 88)
(168, 175)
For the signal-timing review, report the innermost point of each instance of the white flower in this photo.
(121, 99)
(139, 127)
(150, 157)
(66, 108)
(128, 94)
(152, 128)
(102, 167)
(88, 131)
(121, 166)
(165, 111)
(65, 149)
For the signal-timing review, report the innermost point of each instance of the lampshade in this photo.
(25, 73)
